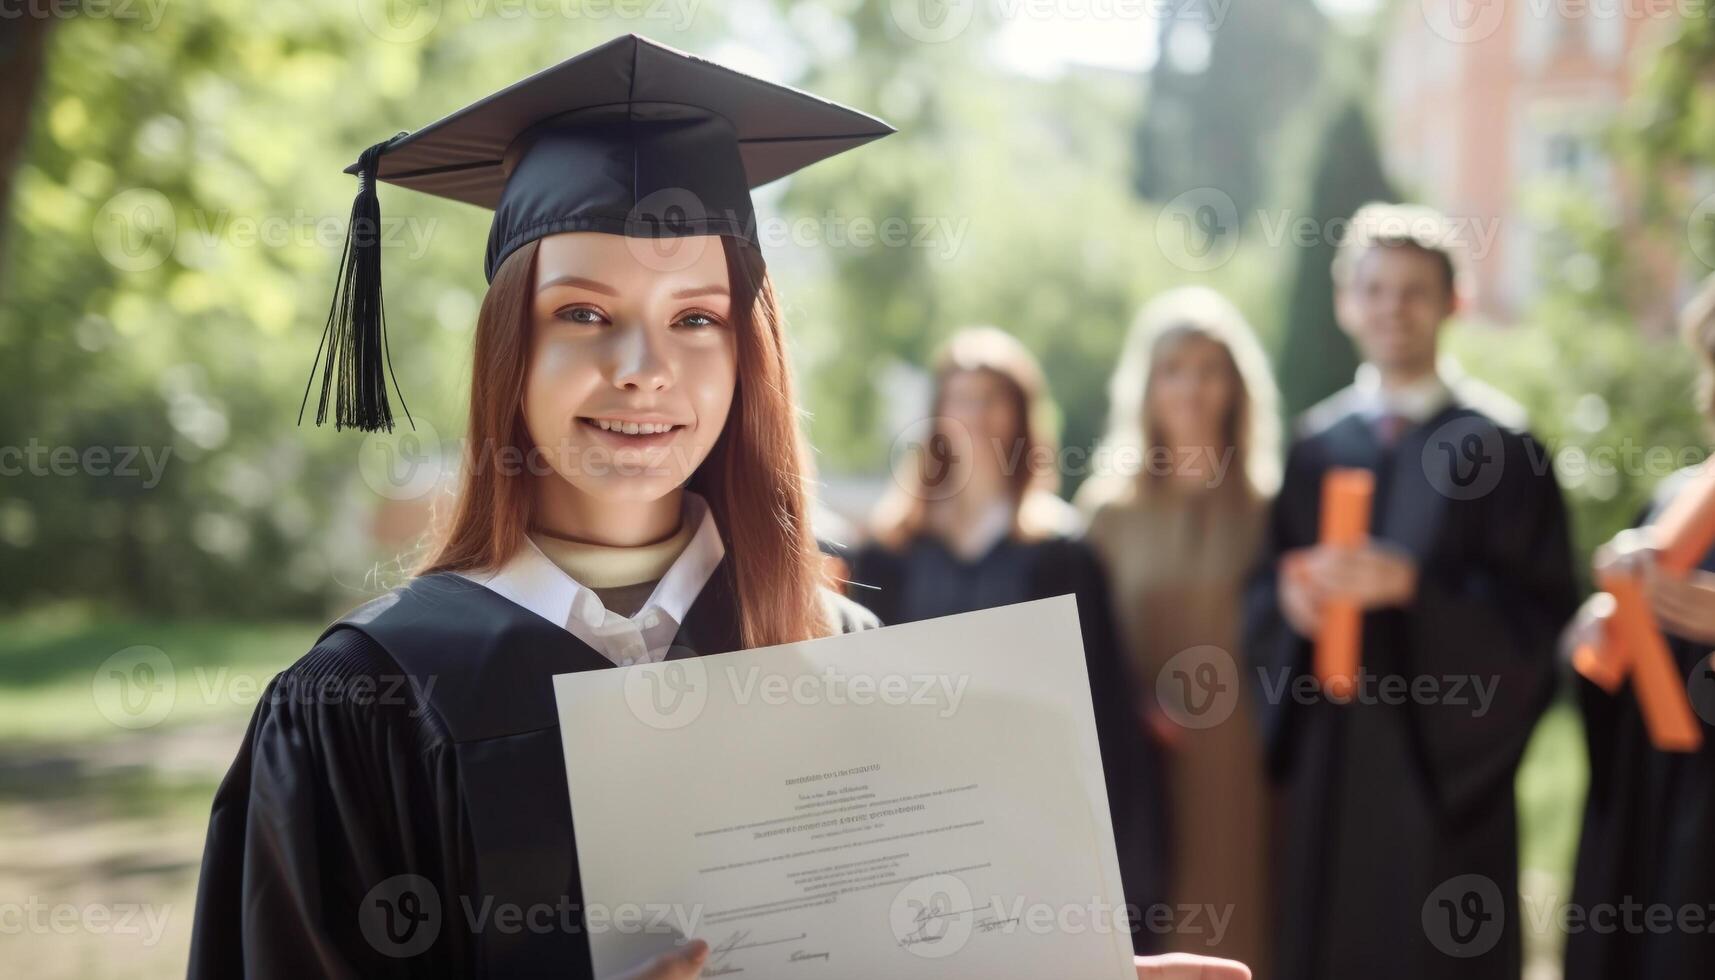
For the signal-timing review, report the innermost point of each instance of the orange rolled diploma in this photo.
(1660, 690)
(1346, 496)
(1682, 535)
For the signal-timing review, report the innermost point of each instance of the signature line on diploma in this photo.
(737, 941)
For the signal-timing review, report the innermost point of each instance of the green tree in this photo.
(1315, 359)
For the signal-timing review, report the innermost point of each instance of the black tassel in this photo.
(358, 363)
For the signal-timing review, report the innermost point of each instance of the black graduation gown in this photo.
(926, 580)
(399, 805)
(1384, 805)
(1649, 836)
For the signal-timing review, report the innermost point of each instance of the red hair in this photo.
(752, 477)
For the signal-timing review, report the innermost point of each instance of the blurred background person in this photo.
(1392, 803)
(972, 522)
(1647, 841)
(1177, 503)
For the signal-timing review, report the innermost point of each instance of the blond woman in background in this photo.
(1177, 504)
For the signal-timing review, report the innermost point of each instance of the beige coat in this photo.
(1176, 565)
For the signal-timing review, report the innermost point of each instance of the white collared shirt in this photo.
(1418, 401)
(532, 580)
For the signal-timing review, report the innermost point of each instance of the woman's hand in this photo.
(1684, 606)
(1184, 966)
(679, 964)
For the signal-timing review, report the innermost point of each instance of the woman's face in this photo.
(1191, 391)
(984, 420)
(633, 363)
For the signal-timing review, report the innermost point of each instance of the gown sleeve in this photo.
(1496, 619)
(335, 839)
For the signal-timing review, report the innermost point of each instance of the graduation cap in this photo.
(629, 138)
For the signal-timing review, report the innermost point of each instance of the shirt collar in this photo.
(1418, 401)
(532, 580)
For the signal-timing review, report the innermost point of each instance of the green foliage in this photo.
(1220, 93)
(1612, 403)
(1315, 358)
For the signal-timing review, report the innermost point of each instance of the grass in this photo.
(63, 668)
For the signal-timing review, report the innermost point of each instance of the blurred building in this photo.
(1483, 99)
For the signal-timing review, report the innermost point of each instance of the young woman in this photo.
(631, 492)
(973, 522)
(1176, 517)
(1646, 841)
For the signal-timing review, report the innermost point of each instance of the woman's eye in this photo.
(580, 314)
(698, 320)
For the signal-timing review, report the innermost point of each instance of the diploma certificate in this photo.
(923, 800)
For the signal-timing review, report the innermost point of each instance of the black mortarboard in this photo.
(629, 138)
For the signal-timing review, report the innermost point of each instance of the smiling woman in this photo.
(629, 354)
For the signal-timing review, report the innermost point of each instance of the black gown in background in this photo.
(1649, 835)
(399, 805)
(1399, 832)
(926, 580)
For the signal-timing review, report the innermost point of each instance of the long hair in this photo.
(903, 511)
(752, 477)
(1250, 431)
(1697, 329)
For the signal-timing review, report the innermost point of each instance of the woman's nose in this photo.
(638, 361)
